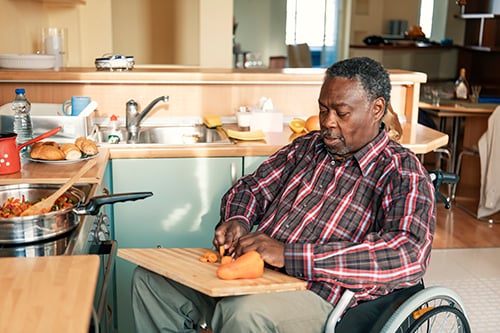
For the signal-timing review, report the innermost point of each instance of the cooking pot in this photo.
(34, 228)
(10, 161)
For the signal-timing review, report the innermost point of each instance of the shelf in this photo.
(476, 16)
(63, 2)
(482, 17)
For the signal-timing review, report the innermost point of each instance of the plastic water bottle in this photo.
(22, 119)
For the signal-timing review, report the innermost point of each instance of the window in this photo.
(426, 14)
(315, 23)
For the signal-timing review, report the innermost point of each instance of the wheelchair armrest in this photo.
(338, 310)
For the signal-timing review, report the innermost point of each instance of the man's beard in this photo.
(327, 133)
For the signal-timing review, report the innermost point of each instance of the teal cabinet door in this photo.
(182, 212)
(250, 163)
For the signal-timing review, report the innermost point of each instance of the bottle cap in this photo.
(20, 91)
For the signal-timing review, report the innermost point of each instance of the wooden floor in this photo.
(455, 228)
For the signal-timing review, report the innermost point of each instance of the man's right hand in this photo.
(228, 233)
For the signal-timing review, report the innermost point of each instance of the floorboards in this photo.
(455, 228)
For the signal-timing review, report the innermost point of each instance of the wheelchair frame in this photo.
(423, 307)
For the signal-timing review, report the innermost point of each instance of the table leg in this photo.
(454, 148)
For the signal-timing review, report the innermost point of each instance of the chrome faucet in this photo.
(134, 117)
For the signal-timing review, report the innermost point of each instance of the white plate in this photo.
(63, 161)
(27, 61)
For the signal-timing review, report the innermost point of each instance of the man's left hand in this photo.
(271, 250)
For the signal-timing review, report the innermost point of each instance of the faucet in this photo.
(134, 118)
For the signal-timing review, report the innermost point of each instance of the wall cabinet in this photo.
(182, 212)
(481, 49)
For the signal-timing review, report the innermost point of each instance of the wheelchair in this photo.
(432, 309)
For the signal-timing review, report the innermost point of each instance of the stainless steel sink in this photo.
(167, 135)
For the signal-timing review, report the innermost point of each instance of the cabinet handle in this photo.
(233, 173)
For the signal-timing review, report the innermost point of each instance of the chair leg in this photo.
(459, 167)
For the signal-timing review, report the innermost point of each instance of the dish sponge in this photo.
(212, 120)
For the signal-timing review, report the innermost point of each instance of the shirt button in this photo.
(287, 226)
(332, 162)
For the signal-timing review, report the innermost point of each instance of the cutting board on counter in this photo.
(183, 265)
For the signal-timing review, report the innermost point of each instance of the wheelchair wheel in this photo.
(444, 318)
(427, 301)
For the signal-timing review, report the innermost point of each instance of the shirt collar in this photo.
(372, 150)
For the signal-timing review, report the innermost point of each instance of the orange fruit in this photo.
(312, 123)
(297, 125)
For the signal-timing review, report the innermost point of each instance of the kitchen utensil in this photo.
(10, 161)
(45, 205)
(30, 229)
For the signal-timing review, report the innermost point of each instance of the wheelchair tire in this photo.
(434, 296)
(443, 319)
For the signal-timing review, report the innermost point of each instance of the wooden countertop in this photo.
(421, 141)
(46, 173)
(47, 294)
(185, 76)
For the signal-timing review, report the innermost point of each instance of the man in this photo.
(343, 207)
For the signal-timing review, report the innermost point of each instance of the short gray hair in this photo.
(370, 73)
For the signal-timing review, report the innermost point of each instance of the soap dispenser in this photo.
(115, 135)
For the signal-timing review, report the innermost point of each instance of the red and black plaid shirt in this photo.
(365, 223)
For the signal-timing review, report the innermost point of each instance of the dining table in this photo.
(456, 110)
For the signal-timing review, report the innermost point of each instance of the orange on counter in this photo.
(297, 125)
(312, 123)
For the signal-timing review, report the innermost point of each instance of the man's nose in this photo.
(330, 119)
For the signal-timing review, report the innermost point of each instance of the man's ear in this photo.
(378, 108)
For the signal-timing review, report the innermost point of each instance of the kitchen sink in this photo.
(166, 135)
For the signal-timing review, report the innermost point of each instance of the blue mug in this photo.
(75, 105)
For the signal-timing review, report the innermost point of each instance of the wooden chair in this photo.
(299, 56)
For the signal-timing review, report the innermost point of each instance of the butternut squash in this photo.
(248, 266)
(226, 260)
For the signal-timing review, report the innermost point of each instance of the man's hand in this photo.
(271, 250)
(228, 234)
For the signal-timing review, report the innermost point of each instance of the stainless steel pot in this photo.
(29, 229)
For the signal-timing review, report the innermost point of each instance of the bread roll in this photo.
(48, 152)
(87, 146)
(71, 151)
(79, 141)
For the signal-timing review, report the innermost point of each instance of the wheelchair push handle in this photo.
(439, 177)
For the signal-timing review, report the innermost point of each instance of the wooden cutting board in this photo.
(183, 265)
(47, 294)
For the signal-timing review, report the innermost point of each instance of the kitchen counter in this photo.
(420, 140)
(56, 173)
(47, 294)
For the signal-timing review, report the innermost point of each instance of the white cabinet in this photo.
(182, 212)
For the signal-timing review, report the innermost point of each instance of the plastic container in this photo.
(23, 126)
(115, 134)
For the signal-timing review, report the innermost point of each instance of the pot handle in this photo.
(94, 204)
(40, 137)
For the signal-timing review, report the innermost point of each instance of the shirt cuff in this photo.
(299, 260)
